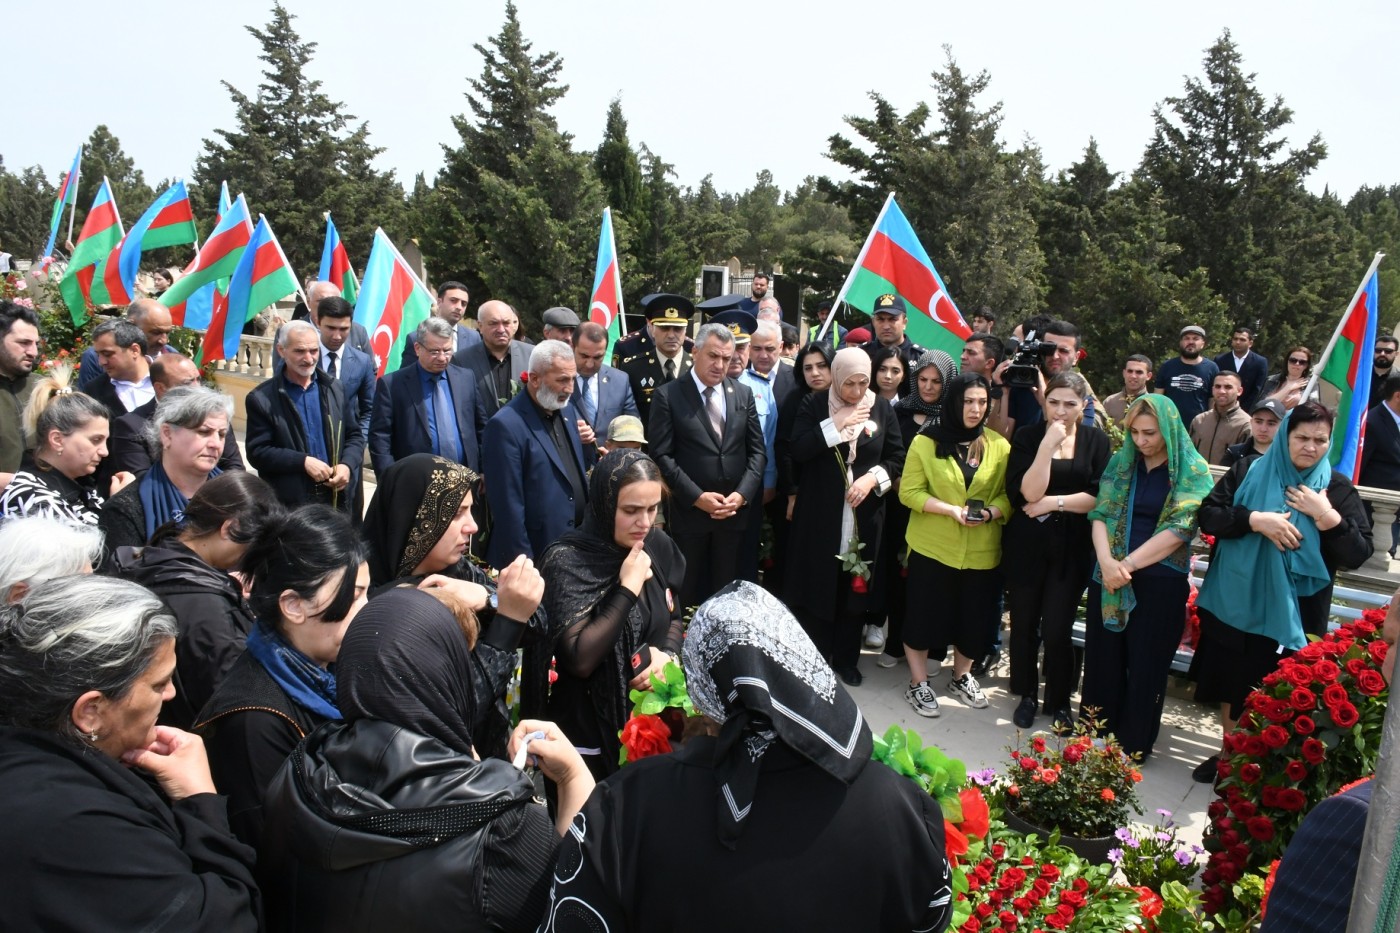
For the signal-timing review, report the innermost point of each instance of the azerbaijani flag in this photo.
(894, 261)
(167, 222)
(215, 261)
(1346, 366)
(335, 264)
(606, 308)
(392, 303)
(67, 194)
(262, 277)
(102, 230)
(199, 307)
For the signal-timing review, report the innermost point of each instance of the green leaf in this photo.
(650, 705)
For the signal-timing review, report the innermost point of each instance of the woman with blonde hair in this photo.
(66, 433)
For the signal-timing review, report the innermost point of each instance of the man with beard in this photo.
(535, 460)
(1384, 360)
(1187, 380)
(19, 348)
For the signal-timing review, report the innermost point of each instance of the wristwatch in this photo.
(493, 600)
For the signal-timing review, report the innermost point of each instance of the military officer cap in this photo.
(889, 303)
(741, 324)
(667, 310)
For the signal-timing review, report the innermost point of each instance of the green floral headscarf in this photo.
(1191, 482)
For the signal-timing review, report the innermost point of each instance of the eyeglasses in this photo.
(1297, 362)
(1388, 351)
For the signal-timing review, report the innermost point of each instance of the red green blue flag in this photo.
(893, 261)
(392, 303)
(216, 260)
(335, 264)
(67, 195)
(262, 277)
(102, 230)
(169, 221)
(199, 307)
(1346, 369)
(606, 308)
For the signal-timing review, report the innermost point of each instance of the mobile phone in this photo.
(640, 661)
(975, 510)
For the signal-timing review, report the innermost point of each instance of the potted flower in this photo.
(1078, 785)
(1152, 856)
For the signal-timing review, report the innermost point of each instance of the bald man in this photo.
(497, 362)
(359, 338)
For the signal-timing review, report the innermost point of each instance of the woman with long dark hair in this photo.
(610, 594)
(1284, 523)
(811, 373)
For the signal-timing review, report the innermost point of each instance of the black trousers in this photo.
(1044, 596)
(1125, 673)
(949, 606)
(837, 638)
(712, 560)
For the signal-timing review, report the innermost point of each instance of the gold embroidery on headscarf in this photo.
(447, 487)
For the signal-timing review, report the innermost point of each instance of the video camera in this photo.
(1025, 368)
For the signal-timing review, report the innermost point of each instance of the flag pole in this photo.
(860, 258)
(1336, 334)
(72, 215)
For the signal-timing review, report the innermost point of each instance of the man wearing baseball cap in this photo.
(1187, 379)
(1263, 425)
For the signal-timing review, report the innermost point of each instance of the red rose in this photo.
(1370, 682)
(1302, 699)
(1008, 920)
(1335, 694)
(1355, 666)
(1216, 810)
(1028, 763)
(1296, 770)
(1309, 652)
(644, 736)
(1050, 872)
(1261, 828)
(1345, 715)
(858, 584)
(1291, 799)
(1249, 772)
(1313, 751)
(1254, 747)
(1269, 796)
(1299, 675)
(524, 377)
(1278, 711)
(1149, 903)
(1327, 670)
(1304, 725)
(1073, 753)
(1274, 736)
(1243, 809)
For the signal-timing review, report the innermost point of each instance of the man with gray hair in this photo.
(536, 455)
(706, 438)
(427, 407)
(302, 435)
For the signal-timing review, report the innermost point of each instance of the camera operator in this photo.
(1049, 347)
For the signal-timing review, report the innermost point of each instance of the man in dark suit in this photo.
(535, 462)
(356, 371)
(427, 407)
(451, 307)
(302, 434)
(706, 438)
(128, 448)
(1380, 455)
(1252, 368)
(121, 352)
(497, 362)
(601, 393)
(657, 355)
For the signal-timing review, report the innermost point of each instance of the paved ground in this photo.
(1190, 733)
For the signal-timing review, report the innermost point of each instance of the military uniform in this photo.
(637, 356)
(908, 350)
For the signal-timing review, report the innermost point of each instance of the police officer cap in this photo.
(741, 324)
(889, 303)
(664, 309)
(713, 306)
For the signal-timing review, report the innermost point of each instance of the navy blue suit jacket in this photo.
(1313, 886)
(466, 337)
(355, 370)
(399, 426)
(614, 398)
(1380, 457)
(531, 500)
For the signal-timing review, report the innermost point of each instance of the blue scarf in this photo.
(160, 500)
(308, 684)
(1251, 584)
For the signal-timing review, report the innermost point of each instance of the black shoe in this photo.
(1024, 717)
(1207, 771)
(1063, 721)
(987, 664)
(851, 675)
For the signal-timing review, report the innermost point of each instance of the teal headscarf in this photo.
(1251, 584)
(1190, 483)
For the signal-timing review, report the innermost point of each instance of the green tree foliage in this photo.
(103, 156)
(711, 225)
(820, 242)
(1234, 192)
(297, 154)
(619, 169)
(969, 198)
(1375, 214)
(661, 259)
(760, 214)
(26, 204)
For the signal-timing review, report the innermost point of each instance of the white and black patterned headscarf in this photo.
(751, 667)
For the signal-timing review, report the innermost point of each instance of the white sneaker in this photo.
(874, 637)
(923, 699)
(967, 687)
(886, 660)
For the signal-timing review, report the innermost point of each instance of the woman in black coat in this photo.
(188, 566)
(847, 449)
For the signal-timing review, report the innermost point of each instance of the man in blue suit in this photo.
(601, 393)
(427, 407)
(451, 307)
(535, 464)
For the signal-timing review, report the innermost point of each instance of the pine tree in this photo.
(297, 154)
(711, 226)
(26, 203)
(619, 169)
(821, 242)
(1071, 216)
(103, 156)
(662, 260)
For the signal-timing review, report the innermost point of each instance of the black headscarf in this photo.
(404, 660)
(582, 568)
(415, 501)
(949, 431)
(751, 667)
(912, 400)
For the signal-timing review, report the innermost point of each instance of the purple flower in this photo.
(985, 777)
(1183, 858)
(1124, 834)
(1115, 856)
(1164, 837)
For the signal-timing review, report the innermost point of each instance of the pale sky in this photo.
(721, 87)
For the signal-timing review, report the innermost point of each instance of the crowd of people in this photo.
(282, 703)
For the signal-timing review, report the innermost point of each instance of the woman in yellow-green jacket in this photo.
(955, 483)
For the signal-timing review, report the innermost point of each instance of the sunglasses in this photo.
(1297, 362)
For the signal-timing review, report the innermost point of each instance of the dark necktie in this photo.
(446, 430)
(330, 364)
(670, 368)
(585, 400)
(715, 411)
